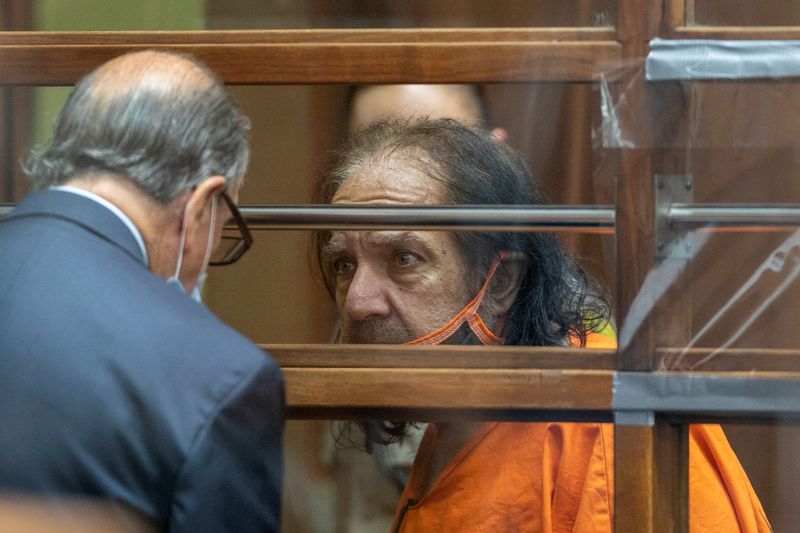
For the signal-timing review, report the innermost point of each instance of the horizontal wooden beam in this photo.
(736, 32)
(324, 36)
(752, 360)
(332, 62)
(509, 383)
(760, 360)
(466, 357)
(444, 389)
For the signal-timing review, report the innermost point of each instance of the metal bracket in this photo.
(672, 242)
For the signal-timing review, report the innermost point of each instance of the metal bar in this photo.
(516, 218)
(551, 218)
(732, 218)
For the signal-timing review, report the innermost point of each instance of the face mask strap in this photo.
(177, 273)
(468, 314)
(479, 328)
(210, 243)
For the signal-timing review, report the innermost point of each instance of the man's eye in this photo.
(343, 267)
(405, 259)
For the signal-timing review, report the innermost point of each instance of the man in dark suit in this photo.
(114, 383)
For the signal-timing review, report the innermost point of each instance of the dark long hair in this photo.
(556, 300)
(557, 303)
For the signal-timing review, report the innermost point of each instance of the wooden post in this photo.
(651, 458)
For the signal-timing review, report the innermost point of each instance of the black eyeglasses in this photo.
(235, 241)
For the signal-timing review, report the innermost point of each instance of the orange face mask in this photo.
(468, 314)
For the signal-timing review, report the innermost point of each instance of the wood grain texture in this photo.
(323, 36)
(448, 388)
(651, 478)
(649, 472)
(754, 361)
(674, 14)
(638, 23)
(466, 357)
(750, 360)
(737, 32)
(311, 63)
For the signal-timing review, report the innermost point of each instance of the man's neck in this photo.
(151, 218)
(450, 438)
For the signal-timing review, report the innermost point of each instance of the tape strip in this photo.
(705, 394)
(701, 59)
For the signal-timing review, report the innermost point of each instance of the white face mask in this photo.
(174, 280)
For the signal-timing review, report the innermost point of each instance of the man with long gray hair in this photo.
(114, 383)
(520, 289)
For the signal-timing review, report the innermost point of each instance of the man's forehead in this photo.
(393, 181)
(341, 239)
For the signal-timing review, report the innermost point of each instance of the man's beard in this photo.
(379, 331)
(375, 331)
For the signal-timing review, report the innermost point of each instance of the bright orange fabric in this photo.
(558, 478)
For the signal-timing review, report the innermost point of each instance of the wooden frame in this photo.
(679, 24)
(327, 56)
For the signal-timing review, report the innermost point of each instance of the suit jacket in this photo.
(115, 385)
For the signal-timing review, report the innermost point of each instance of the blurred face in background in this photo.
(386, 102)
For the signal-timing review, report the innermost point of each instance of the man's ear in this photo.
(505, 285)
(198, 209)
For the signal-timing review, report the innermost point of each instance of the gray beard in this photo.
(375, 332)
(380, 332)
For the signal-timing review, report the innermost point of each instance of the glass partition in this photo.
(720, 13)
(727, 297)
(254, 14)
(294, 130)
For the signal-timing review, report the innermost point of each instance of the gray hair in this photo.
(164, 137)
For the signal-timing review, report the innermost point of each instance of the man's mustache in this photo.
(375, 331)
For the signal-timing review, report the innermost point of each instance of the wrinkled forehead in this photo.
(341, 240)
(395, 179)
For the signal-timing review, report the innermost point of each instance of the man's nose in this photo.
(367, 296)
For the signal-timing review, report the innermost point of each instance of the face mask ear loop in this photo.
(482, 331)
(183, 242)
(210, 243)
(468, 314)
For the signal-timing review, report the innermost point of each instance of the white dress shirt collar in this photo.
(111, 207)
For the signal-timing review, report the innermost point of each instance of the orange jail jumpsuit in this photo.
(558, 478)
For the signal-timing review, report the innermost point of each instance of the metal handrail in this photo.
(599, 219)
(514, 218)
(734, 217)
(511, 218)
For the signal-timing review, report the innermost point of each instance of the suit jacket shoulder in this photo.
(135, 388)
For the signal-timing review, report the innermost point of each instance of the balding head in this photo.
(161, 120)
(148, 71)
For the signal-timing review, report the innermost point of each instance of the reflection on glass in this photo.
(727, 13)
(282, 14)
(77, 15)
(410, 14)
